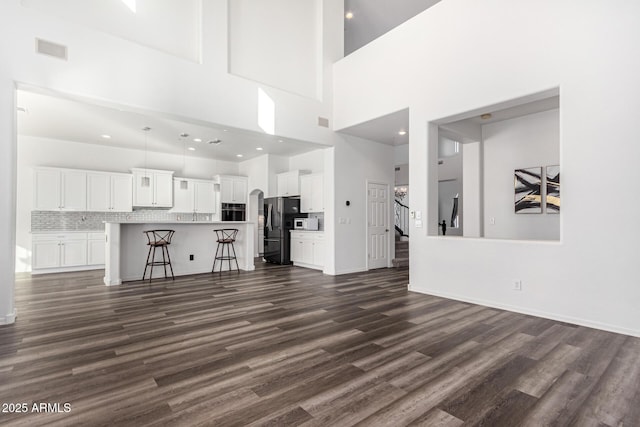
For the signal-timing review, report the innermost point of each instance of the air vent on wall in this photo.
(51, 49)
(323, 121)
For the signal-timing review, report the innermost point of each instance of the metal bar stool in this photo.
(226, 237)
(161, 239)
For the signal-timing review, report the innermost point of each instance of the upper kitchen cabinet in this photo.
(233, 189)
(193, 195)
(60, 189)
(312, 193)
(289, 183)
(109, 192)
(152, 188)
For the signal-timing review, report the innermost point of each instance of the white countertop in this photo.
(307, 231)
(66, 231)
(179, 222)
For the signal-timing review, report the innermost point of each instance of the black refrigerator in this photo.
(279, 213)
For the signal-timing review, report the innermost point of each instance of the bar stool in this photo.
(226, 237)
(161, 239)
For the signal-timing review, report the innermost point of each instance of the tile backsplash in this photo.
(93, 221)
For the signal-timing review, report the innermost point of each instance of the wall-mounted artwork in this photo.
(528, 186)
(553, 189)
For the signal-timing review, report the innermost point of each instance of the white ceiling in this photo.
(373, 18)
(54, 117)
(383, 129)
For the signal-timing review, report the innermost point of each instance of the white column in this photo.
(7, 199)
(112, 254)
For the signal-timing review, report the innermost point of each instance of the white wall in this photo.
(528, 141)
(472, 173)
(262, 45)
(313, 161)
(356, 161)
(8, 199)
(109, 68)
(401, 154)
(589, 53)
(257, 169)
(172, 27)
(47, 152)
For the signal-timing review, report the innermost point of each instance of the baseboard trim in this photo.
(9, 318)
(546, 315)
(67, 269)
(349, 271)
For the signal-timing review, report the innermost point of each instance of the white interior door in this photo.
(378, 225)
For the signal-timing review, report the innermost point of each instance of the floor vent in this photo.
(52, 49)
(323, 121)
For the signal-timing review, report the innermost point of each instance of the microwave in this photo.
(305, 224)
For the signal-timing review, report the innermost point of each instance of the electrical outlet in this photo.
(492, 221)
(517, 285)
(190, 257)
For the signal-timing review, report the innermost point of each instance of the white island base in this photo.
(127, 249)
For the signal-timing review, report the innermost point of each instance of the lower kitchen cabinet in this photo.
(53, 252)
(307, 249)
(95, 248)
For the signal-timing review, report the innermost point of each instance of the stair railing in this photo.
(401, 218)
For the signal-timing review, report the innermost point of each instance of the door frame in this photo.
(389, 216)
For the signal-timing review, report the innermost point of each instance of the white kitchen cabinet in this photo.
(288, 183)
(121, 193)
(307, 249)
(73, 252)
(205, 196)
(152, 188)
(45, 254)
(312, 193)
(109, 192)
(193, 195)
(95, 248)
(52, 251)
(318, 250)
(233, 189)
(60, 189)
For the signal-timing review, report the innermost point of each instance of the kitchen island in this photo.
(126, 248)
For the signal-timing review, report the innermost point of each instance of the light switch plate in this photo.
(418, 223)
(418, 214)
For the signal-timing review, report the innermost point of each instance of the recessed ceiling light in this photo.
(280, 140)
(349, 15)
(225, 130)
(402, 132)
(239, 155)
(197, 140)
(259, 148)
(105, 136)
(191, 149)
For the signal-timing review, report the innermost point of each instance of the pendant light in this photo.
(184, 184)
(146, 180)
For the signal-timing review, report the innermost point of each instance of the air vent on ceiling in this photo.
(323, 121)
(52, 49)
(397, 168)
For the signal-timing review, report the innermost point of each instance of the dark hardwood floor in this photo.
(289, 346)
